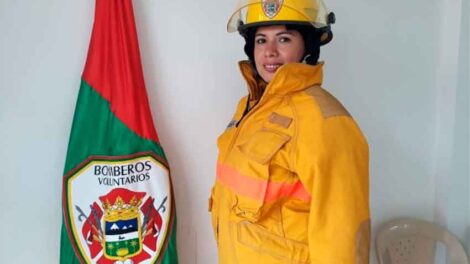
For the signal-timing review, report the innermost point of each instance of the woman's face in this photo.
(275, 46)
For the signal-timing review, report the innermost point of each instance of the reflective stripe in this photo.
(254, 188)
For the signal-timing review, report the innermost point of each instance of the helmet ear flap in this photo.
(312, 48)
(312, 42)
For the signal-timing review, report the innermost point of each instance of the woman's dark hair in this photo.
(310, 35)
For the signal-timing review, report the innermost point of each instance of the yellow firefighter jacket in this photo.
(292, 176)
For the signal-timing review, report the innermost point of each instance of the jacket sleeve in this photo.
(332, 163)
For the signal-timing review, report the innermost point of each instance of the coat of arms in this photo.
(121, 226)
(271, 7)
(119, 209)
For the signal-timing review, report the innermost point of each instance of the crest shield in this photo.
(122, 235)
(271, 7)
(119, 209)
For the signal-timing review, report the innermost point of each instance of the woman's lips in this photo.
(271, 68)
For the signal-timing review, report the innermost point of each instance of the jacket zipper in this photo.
(247, 110)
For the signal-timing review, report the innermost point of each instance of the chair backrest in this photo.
(413, 241)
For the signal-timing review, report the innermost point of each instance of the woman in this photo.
(292, 172)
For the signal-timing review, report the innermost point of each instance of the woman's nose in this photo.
(271, 49)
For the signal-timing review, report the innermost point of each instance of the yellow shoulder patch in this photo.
(329, 105)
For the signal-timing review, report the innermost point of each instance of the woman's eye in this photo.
(260, 41)
(284, 39)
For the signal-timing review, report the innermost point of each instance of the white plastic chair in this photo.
(413, 241)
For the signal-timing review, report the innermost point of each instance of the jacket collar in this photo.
(288, 78)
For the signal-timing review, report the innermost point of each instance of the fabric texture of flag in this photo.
(118, 204)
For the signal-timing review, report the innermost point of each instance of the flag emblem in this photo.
(271, 7)
(119, 224)
(122, 237)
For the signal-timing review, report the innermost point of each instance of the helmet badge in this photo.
(271, 7)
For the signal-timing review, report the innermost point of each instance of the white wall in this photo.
(381, 65)
(42, 52)
(458, 219)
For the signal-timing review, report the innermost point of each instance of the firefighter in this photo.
(292, 172)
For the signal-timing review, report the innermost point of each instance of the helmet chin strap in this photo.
(309, 59)
(305, 59)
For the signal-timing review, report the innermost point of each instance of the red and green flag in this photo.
(118, 205)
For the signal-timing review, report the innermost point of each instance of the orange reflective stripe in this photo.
(246, 186)
(258, 189)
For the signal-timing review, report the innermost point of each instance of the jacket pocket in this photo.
(263, 144)
(256, 152)
(259, 239)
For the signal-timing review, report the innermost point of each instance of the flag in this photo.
(117, 197)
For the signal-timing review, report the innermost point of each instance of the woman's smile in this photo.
(272, 67)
